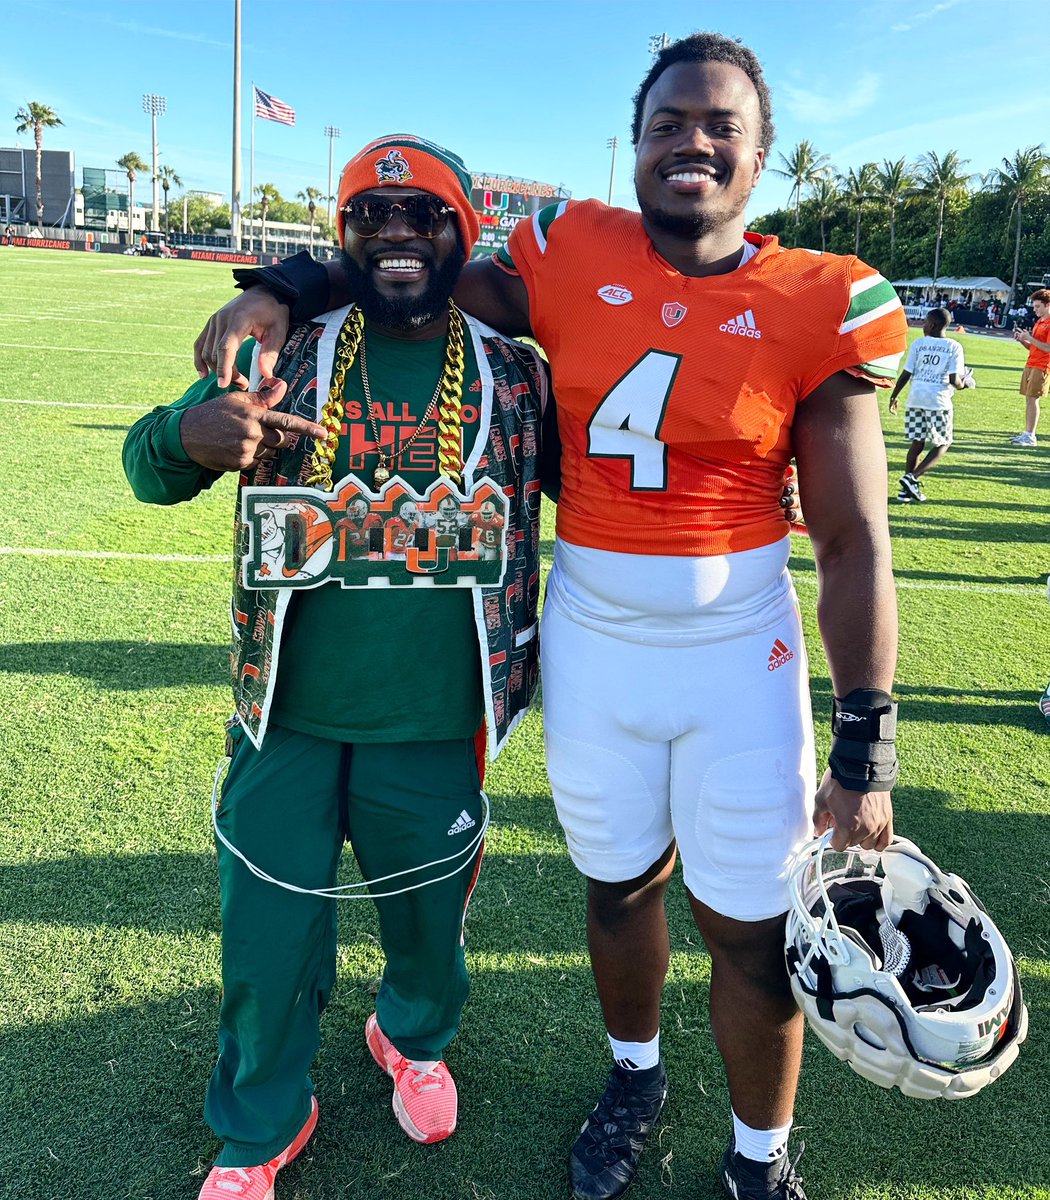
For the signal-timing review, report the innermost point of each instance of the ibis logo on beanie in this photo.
(393, 168)
(395, 159)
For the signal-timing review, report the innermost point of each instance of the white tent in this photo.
(953, 283)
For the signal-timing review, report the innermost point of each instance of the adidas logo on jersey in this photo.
(462, 823)
(779, 655)
(743, 324)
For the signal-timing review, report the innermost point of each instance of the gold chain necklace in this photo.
(449, 392)
(383, 469)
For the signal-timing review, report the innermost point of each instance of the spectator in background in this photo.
(935, 365)
(1035, 378)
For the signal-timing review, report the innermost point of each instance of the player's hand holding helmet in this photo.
(900, 971)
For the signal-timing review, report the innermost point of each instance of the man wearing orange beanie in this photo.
(384, 629)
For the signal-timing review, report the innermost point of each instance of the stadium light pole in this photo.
(331, 133)
(235, 182)
(156, 107)
(658, 42)
(611, 144)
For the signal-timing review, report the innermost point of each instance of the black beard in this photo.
(693, 226)
(409, 313)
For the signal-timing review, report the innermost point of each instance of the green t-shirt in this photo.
(378, 664)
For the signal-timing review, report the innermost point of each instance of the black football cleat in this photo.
(604, 1159)
(744, 1179)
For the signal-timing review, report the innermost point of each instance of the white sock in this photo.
(636, 1056)
(760, 1145)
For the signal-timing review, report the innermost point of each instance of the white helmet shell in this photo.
(900, 971)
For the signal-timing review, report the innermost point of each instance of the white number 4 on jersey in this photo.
(627, 422)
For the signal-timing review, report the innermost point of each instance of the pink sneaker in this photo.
(424, 1100)
(255, 1183)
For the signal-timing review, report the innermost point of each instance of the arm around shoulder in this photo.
(495, 296)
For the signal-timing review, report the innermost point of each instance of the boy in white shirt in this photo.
(936, 368)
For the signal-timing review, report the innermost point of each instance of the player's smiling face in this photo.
(698, 157)
(1039, 308)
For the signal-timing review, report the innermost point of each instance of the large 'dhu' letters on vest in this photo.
(394, 537)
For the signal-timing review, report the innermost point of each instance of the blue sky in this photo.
(532, 89)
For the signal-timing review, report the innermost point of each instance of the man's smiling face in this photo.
(698, 157)
(402, 280)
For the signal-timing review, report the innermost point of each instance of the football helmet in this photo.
(900, 971)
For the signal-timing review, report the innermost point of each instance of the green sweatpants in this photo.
(280, 808)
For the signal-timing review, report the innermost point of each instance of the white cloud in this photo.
(893, 142)
(153, 31)
(925, 15)
(831, 105)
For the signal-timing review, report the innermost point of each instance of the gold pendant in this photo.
(381, 474)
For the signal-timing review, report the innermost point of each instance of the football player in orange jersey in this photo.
(676, 704)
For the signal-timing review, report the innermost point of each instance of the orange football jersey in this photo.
(675, 394)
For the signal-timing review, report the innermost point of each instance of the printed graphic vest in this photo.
(513, 395)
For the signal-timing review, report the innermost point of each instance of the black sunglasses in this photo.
(426, 215)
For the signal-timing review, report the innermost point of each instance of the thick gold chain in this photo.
(450, 412)
(332, 414)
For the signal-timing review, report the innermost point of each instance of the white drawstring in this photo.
(345, 891)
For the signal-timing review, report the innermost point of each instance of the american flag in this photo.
(271, 109)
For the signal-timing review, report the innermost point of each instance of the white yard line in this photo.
(71, 315)
(38, 552)
(89, 350)
(919, 585)
(1015, 589)
(74, 404)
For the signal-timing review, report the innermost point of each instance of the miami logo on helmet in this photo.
(393, 168)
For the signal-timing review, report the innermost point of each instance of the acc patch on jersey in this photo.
(396, 537)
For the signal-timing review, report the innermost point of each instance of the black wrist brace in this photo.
(863, 754)
(299, 281)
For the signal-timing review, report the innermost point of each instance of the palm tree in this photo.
(130, 163)
(168, 179)
(823, 200)
(857, 189)
(268, 193)
(894, 184)
(1018, 179)
(940, 179)
(311, 195)
(804, 165)
(37, 117)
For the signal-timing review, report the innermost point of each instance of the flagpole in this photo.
(235, 185)
(251, 180)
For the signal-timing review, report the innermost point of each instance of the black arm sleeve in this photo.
(550, 451)
(299, 281)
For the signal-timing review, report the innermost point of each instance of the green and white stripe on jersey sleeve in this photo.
(541, 223)
(869, 299)
(880, 370)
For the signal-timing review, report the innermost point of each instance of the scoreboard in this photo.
(501, 201)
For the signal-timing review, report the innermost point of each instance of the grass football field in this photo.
(113, 660)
